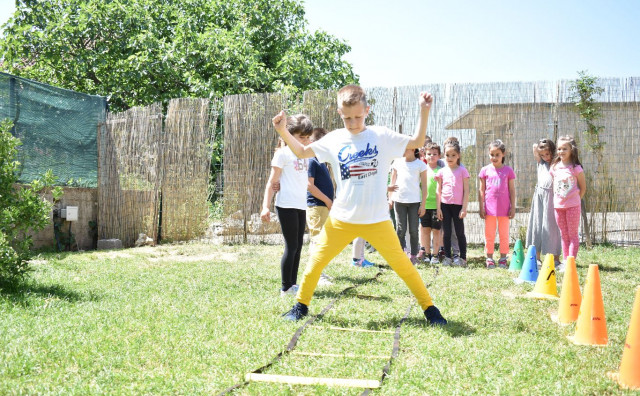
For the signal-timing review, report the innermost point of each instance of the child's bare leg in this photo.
(425, 238)
(436, 240)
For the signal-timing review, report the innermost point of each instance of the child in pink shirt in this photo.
(569, 186)
(497, 202)
(453, 197)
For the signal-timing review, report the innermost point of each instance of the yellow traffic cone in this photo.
(591, 328)
(629, 375)
(546, 287)
(570, 297)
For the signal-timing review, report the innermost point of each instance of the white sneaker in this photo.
(539, 265)
(560, 268)
(434, 260)
(293, 290)
(324, 280)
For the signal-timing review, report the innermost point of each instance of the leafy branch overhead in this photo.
(142, 51)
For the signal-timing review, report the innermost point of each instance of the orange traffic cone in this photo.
(570, 296)
(629, 375)
(591, 328)
(545, 287)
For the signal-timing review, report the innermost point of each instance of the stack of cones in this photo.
(517, 258)
(529, 272)
(570, 297)
(591, 328)
(629, 375)
(546, 287)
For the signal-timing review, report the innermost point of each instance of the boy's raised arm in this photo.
(280, 124)
(417, 140)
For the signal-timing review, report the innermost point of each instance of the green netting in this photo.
(57, 127)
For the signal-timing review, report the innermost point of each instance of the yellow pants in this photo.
(336, 235)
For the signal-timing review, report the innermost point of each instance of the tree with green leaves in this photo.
(584, 91)
(22, 209)
(138, 52)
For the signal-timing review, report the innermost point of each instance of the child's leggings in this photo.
(292, 222)
(451, 217)
(358, 248)
(568, 220)
(490, 233)
(336, 235)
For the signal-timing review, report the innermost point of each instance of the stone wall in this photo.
(86, 199)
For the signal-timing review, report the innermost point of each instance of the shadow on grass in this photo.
(24, 293)
(454, 328)
(608, 268)
(477, 262)
(327, 293)
(459, 329)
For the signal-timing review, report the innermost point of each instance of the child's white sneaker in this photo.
(290, 292)
(324, 280)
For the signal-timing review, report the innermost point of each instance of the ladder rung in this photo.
(353, 330)
(348, 355)
(295, 380)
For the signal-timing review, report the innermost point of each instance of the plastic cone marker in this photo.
(546, 287)
(591, 328)
(517, 258)
(529, 272)
(629, 375)
(570, 296)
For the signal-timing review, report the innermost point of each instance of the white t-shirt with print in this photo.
(360, 164)
(293, 180)
(408, 180)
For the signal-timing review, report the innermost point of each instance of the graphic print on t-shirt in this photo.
(358, 164)
(300, 165)
(563, 186)
(496, 181)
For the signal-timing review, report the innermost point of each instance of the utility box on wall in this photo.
(72, 213)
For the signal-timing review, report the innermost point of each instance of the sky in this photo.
(414, 42)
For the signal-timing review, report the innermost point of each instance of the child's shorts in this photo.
(430, 219)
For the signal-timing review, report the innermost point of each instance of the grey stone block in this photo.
(105, 244)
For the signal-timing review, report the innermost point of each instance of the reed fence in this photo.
(153, 173)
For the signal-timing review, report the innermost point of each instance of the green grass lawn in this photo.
(195, 318)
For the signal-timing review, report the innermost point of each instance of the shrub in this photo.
(23, 210)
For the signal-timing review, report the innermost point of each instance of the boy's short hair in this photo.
(350, 95)
(433, 146)
(299, 123)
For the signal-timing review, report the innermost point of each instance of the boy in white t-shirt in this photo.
(360, 158)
